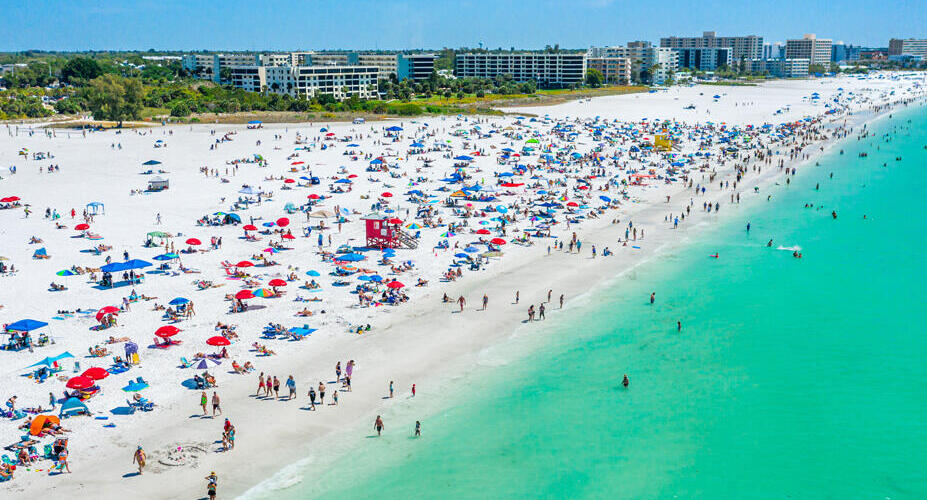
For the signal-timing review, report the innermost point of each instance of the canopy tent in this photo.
(25, 325)
(96, 207)
(50, 361)
(73, 406)
(125, 266)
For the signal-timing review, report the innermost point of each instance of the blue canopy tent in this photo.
(300, 331)
(151, 162)
(50, 361)
(25, 325)
(96, 207)
(125, 266)
(73, 406)
(394, 128)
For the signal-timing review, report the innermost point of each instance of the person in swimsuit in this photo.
(378, 425)
(260, 384)
(321, 393)
(418, 428)
(139, 459)
(626, 381)
(203, 401)
(311, 398)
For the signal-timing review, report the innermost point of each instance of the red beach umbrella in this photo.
(289, 181)
(352, 176)
(79, 383)
(244, 263)
(288, 236)
(313, 196)
(277, 282)
(82, 227)
(194, 242)
(387, 195)
(167, 331)
(497, 241)
(9, 199)
(482, 231)
(244, 294)
(394, 221)
(572, 204)
(95, 373)
(296, 163)
(250, 227)
(218, 340)
(394, 284)
(107, 310)
(283, 222)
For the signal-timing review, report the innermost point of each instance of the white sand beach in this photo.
(580, 175)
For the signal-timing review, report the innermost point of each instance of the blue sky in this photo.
(386, 24)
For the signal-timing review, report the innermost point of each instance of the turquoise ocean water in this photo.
(791, 378)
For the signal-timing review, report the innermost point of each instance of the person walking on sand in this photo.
(561, 301)
(335, 397)
(413, 390)
(276, 387)
(391, 389)
(215, 404)
(461, 301)
(418, 429)
(139, 459)
(203, 401)
(516, 296)
(541, 310)
(311, 398)
(321, 393)
(549, 292)
(212, 483)
(260, 384)
(291, 385)
(378, 426)
(485, 301)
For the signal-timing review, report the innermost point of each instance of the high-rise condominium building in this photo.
(815, 50)
(742, 47)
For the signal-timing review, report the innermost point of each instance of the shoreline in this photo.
(291, 475)
(409, 333)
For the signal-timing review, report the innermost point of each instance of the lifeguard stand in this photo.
(381, 234)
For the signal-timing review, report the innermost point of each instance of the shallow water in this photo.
(791, 378)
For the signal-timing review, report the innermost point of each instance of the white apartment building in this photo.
(907, 47)
(644, 57)
(385, 63)
(780, 68)
(308, 81)
(547, 69)
(742, 47)
(616, 70)
(814, 49)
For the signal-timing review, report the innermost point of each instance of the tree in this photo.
(112, 97)
(816, 68)
(180, 110)
(594, 78)
(80, 68)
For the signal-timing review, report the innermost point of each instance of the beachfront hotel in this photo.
(810, 47)
(547, 69)
(742, 47)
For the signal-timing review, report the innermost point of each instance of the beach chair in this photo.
(184, 363)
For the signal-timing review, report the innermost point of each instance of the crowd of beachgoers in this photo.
(156, 283)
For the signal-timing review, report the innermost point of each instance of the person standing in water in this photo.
(653, 297)
(418, 429)
(626, 381)
(378, 425)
